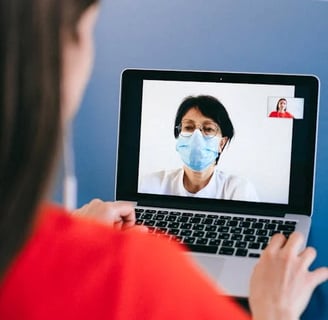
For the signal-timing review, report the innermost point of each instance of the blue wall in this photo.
(225, 35)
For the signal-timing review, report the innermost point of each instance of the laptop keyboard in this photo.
(214, 233)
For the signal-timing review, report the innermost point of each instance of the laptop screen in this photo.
(232, 141)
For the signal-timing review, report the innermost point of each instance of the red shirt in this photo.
(74, 268)
(276, 114)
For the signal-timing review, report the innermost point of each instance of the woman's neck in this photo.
(194, 181)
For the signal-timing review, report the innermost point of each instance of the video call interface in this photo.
(260, 150)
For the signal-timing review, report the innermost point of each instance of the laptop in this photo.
(270, 158)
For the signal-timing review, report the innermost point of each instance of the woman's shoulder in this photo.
(288, 115)
(236, 179)
(236, 187)
(71, 248)
(77, 268)
(79, 233)
(85, 236)
(232, 180)
(164, 174)
(156, 179)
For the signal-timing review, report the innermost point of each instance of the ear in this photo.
(222, 143)
(77, 61)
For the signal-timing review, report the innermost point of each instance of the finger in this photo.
(319, 276)
(124, 204)
(90, 207)
(82, 211)
(94, 203)
(308, 255)
(294, 243)
(277, 242)
(122, 225)
(124, 212)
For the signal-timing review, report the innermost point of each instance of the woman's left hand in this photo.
(281, 285)
(118, 214)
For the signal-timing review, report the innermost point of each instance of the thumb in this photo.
(319, 276)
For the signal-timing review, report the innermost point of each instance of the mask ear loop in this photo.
(69, 180)
(220, 152)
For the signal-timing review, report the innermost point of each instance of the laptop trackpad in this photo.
(231, 274)
(212, 265)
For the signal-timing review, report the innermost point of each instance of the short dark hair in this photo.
(30, 112)
(210, 107)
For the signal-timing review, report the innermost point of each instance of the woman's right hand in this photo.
(281, 285)
(118, 214)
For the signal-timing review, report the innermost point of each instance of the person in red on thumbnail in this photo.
(281, 110)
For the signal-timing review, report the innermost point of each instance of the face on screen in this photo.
(217, 140)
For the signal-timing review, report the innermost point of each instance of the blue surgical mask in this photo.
(196, 151)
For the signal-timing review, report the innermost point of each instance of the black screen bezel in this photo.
(303, 148)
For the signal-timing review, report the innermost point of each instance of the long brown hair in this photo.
(30, 115)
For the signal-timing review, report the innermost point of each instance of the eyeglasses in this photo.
(208, 129)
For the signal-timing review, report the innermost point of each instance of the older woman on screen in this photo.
(202, 130)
